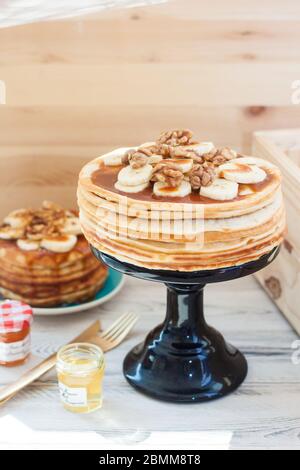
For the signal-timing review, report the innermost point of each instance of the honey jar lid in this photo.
(14, 315)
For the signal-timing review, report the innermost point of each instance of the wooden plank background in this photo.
(76, 88)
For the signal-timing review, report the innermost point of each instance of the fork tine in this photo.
(107, 345)
(114, 336)
(120, 338)
(116, 326)
(120, 327)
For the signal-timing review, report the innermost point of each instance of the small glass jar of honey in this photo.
(15, 322)
(80, 370)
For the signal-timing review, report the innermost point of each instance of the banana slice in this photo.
(242, 173)
(129, 176)
(220, 189)
(17, 218)
(131, 189)
(114, 158)
(28, 245)
(10, 233)
(202, 147)
(185, 164)
(89, 169)
(162, 189)
(59, 244)
(72, 226)
(253, 161)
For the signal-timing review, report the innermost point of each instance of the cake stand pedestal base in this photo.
(184, 359)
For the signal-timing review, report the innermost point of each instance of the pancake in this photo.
(46, 261)
(101, 182)
(183, 230)
(207, 210)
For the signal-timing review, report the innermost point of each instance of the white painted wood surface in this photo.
(264, 413)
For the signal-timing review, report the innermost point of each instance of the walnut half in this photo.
(140, 157)
(168, 173)
(201, 175)
(176, 137)
(220, 156)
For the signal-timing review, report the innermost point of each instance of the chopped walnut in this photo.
(138, 158)
(176, 137)
(228, 153)
(178, 144)
(220, 156)
(164, 150)
(149, 150)
(201, 175)
(46, 221)
(37, 224)
(182, 152)
(168, 173)
(35, 231)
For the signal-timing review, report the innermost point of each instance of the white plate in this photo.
(113, 284)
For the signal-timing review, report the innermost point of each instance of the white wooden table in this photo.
(263, 413)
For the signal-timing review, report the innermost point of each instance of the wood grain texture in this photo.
(192, 41)
(265, 145)
(281, 279)
(263, 413)
(151, 84)
(122, 76)
(109, 126)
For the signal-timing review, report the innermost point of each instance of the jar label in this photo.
(11, 352)
(73, 396)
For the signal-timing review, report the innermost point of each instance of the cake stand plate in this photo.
(184, 359)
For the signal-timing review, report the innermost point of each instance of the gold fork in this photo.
(107, 340)
(115, 334)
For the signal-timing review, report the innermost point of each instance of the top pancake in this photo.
(97, 181)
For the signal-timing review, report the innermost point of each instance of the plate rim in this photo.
(60, 311)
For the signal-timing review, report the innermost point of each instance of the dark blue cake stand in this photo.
(184, 359)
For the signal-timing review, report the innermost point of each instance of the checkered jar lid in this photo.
(14, 316)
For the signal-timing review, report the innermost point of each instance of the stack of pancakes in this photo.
(188, 233)
(45, 259)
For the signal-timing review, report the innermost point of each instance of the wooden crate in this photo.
(282, 278)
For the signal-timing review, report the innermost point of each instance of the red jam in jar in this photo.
(15, 321)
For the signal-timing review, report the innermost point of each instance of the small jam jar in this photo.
(80, 370)
(15, 321)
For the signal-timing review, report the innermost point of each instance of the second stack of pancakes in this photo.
(45, 259)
